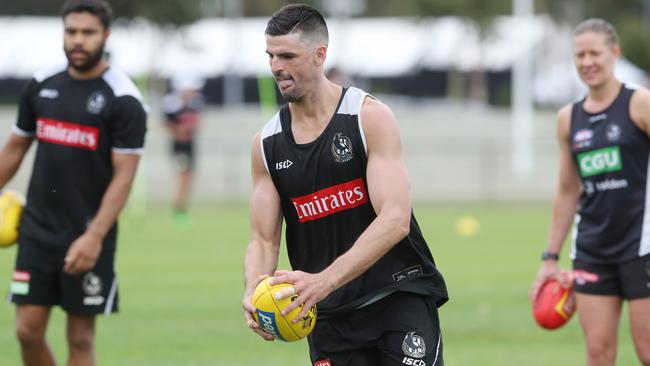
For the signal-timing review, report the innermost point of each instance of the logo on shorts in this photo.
(96, 102)
(341, 148)
(414, 346)
(20, 283)
(91, 284)
(325, 362)
(93, 300)
(582, 277)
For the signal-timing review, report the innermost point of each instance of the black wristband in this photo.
(549, 255)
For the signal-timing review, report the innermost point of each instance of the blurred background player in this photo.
(603, 178)
(330, 164)
(89, 121)
(182, 107)
(338, 76)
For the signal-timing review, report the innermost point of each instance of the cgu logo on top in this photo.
(600, 161)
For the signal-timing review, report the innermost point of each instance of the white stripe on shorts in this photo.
(111, 297)
(435, 360)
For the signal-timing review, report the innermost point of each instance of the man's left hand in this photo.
(310, 288)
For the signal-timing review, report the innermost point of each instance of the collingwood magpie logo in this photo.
(342, 148)
(92, 284)
(96, 102)
(414, 346)
(613, 132)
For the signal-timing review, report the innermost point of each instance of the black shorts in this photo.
(183, 152)
(629, 280)
(401, 329)
(39, 280)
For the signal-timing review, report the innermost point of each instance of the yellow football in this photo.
(270, 319)
(11, 207)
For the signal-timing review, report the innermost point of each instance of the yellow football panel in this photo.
(266, 303)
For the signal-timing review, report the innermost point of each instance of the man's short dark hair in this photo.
(98, 8)
(298, 17)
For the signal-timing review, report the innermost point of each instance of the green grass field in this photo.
(181, 294)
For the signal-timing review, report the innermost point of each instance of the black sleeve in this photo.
(26, 122)
(128, 123)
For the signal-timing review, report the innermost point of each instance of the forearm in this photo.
(261, 259)
(11, 156)
(113, 201)
(564, 209)
(382, 235)
(9, 164)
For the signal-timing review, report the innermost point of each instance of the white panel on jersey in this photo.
(272, 127)
(121, 150)
(16, 130)
(574, 237)
(122, 85)
(351, 104)
(352, 101)
(43, 74)
(644, 246)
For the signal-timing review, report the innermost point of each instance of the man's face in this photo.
(293, 65)
(84, 37)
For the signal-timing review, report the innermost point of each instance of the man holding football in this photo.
(330, 166)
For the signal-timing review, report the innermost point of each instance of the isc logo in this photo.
(600, 161)
(267, 321)
(283, 164)
(413, 362)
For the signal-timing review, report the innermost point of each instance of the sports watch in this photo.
(548, 255)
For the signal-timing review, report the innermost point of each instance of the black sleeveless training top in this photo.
(326, 207)
(611, 155)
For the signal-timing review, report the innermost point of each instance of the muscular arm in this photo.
(389, 190)
(12, 155)
(640, 109)
(266, 224)
(565, 202)
(84, 251)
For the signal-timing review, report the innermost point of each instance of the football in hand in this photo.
(11, 208)
(268, 316)
(554, 305)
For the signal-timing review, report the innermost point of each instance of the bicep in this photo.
(388, 181)
(125, 165)
(568, 175)
(640, 109)
(265, 209)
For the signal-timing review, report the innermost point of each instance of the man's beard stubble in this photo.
(92, 60)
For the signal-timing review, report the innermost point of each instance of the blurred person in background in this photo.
(330, 164)
(338, 76)
(90, 122)
(182, 108)
(603, 184)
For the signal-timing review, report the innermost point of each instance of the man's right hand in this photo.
(249, 310)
